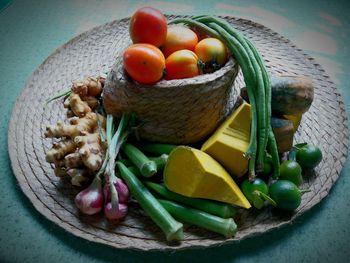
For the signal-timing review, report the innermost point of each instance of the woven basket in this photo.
(90, 53)
(175, 111)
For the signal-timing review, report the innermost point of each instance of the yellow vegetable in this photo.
(193, 173)
(230, 141)
(296, 119)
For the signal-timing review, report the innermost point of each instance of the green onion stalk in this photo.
(115, 139)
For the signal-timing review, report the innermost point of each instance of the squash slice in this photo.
(193, 173)
(230, 141)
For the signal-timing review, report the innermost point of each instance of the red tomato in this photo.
(145, 63)
(178, 38)
(211, 50)
(148, 25)
(181, 64)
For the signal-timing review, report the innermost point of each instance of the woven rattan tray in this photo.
(92, 52)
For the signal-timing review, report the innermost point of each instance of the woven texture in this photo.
(93, 52)
(177, 111)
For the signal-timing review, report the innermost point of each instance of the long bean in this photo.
(267, 87)
(250, 78)
(196, 24)
(274, 154)
(264, 89)
(260, 85)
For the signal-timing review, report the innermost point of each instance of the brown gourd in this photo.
(284, 132)
(290, 95)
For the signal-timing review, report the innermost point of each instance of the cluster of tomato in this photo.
(173, 52)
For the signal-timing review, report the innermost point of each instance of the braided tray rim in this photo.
(27, 163)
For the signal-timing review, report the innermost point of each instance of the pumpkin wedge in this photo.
(230, 141)
(193, 173)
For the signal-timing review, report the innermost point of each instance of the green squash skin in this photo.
(290, 95)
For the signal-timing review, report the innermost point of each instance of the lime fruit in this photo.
(251, 191)
(291, 171)
(309, 156)
(286, 195)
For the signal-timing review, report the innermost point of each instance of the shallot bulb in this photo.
(122, 190)
(90, 200)
(115, 213)
(115, 199)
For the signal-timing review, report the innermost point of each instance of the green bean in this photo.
(228, 28)
(247, 70)
(266, 104)
(263, 84)
(196, 24)
(258, 85)
(274, 153)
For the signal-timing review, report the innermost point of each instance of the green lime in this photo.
(286, 195)
(309, 156)
(251, 190)
(291, 171)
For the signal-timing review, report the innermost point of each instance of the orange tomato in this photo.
(211, 50)
(181, 64)
(145, 63)
(179, 37)
(148, 25)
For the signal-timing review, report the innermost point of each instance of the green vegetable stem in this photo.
(157, 148)
(160, 161)
(211, 207)
(172, 229)
(146, 166)
(227, 227)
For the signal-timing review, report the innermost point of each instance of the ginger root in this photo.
(79, 107)
(91, 86)
(73, 160)
(79, 176)
(81, 152)
(91, 150)
(59, 150)
(77, 125)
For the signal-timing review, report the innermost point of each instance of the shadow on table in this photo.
(4, 4)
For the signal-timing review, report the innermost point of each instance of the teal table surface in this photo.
(31, 30)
